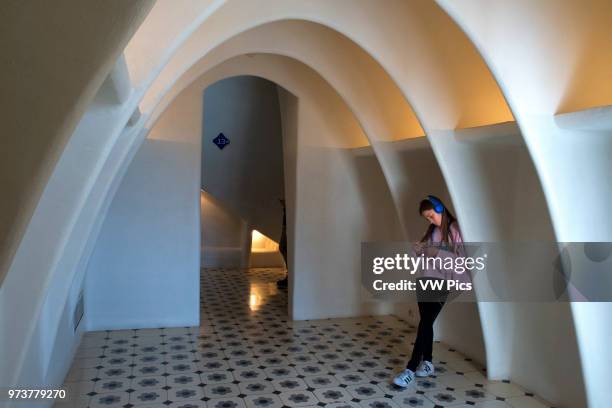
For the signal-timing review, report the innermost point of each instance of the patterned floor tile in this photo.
(112, 385)
(379, 403)
(216, 377)
(114, 372)
(221, 390)
(289, 384)
(226, 403)
(343, 405)
(256, 387)
(445, 398)
(331, 395)
(298, 398)
(273, 361)
(148, 383)
(109, 399)
(411, 400)
(352, 378)
(249, 374)
(183, 404)
(182, 380)
(185, 393)
(153, 396)
(212, 365)
(321, 381)
(392, 390)
(311, 369)
(341, 367)
(263, 401)
(475, 394)
(380, 375)
(248, 354)
(146, 370)
(180, 368)
(365, 391)
(280, 372)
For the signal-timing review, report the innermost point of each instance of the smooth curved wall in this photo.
(493, 170)
(382, 110)
(224, 235)
(247, 175)
(378, 127)
(396, 169)
(145, 269)
(52, 256)
(41, 53)
(324, 238)
(552, 61)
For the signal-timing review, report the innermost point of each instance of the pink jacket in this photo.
(453, 250)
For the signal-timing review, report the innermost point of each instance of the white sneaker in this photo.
(404, 379)
(425, 369)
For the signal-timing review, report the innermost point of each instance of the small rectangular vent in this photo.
(79, 309)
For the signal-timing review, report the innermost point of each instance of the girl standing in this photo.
(442, 239)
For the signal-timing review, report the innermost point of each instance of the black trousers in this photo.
(429, 309)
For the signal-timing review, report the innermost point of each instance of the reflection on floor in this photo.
(247, 354)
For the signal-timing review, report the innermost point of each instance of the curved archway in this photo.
(322, 164)
(560, 96)
(442, 101)
(491, 214)
(493, 221)
(382, 111)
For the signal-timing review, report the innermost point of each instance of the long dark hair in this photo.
(447, 219)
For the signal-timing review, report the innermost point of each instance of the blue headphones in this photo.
(438, 206)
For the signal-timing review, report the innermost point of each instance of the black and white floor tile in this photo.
(248, 354)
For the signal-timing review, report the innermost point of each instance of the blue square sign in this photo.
(221, 141)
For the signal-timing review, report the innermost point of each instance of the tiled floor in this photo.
(246, 354)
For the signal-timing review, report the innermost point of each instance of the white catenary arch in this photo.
(553, 61)
(418, 60)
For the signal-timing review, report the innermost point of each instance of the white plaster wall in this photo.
(551, 58)
(30, 40)
(328, 225)
(382, 111)
(164, 29)
(223, 235)
(55, 249)
(377, 199)
(288, 104)
(220, 226)
(328, 222)
(145, 269)
(494, 171)
(430, 59)
(247, 175)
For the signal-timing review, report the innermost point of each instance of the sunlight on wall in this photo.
(261, 243)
